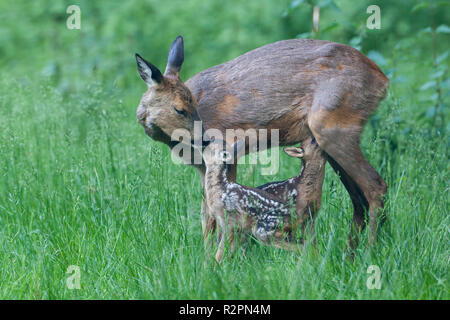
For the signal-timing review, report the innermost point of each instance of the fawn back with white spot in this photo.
(264, 211)
(305, 189)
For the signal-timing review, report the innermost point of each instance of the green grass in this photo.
(82, 185)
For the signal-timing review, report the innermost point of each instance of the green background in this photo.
(81, 184)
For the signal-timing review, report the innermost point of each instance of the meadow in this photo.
(82, 185)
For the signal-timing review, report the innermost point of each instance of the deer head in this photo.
(168, 104)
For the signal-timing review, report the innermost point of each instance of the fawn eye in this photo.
(181, 112)
(226, 156)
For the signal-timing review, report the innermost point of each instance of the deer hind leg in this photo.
(360, 204)
(340, 139)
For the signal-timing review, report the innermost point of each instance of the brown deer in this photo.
(302, 87)
(263, 211)
(305, 189)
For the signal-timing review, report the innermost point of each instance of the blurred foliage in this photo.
(80, 183)
(412, 46)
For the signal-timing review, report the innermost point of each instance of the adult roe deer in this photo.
(302, 87)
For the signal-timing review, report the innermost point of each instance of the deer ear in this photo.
(176, 57)
(294, 152)
(148, 72)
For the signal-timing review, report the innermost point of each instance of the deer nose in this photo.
(141, 118)
(141, 115)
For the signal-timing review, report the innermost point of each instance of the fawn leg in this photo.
(208, 222)
(232, 240)
(221, 234)
(221, 237)
(306, 212)
(342, 144)
(208, 226)
(285, 245)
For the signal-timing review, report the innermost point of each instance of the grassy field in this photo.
(81, 184)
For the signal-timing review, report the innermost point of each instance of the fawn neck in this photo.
(311, 177)
(217, 175)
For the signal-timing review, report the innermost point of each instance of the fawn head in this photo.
(168, 104)
(217, 153)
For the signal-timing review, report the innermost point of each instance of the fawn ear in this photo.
(294, 152)
(148, 72)
(176, 57)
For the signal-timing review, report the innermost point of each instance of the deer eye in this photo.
(181, 112)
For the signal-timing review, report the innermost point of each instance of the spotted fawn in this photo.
(265, 211)
(307, 184)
